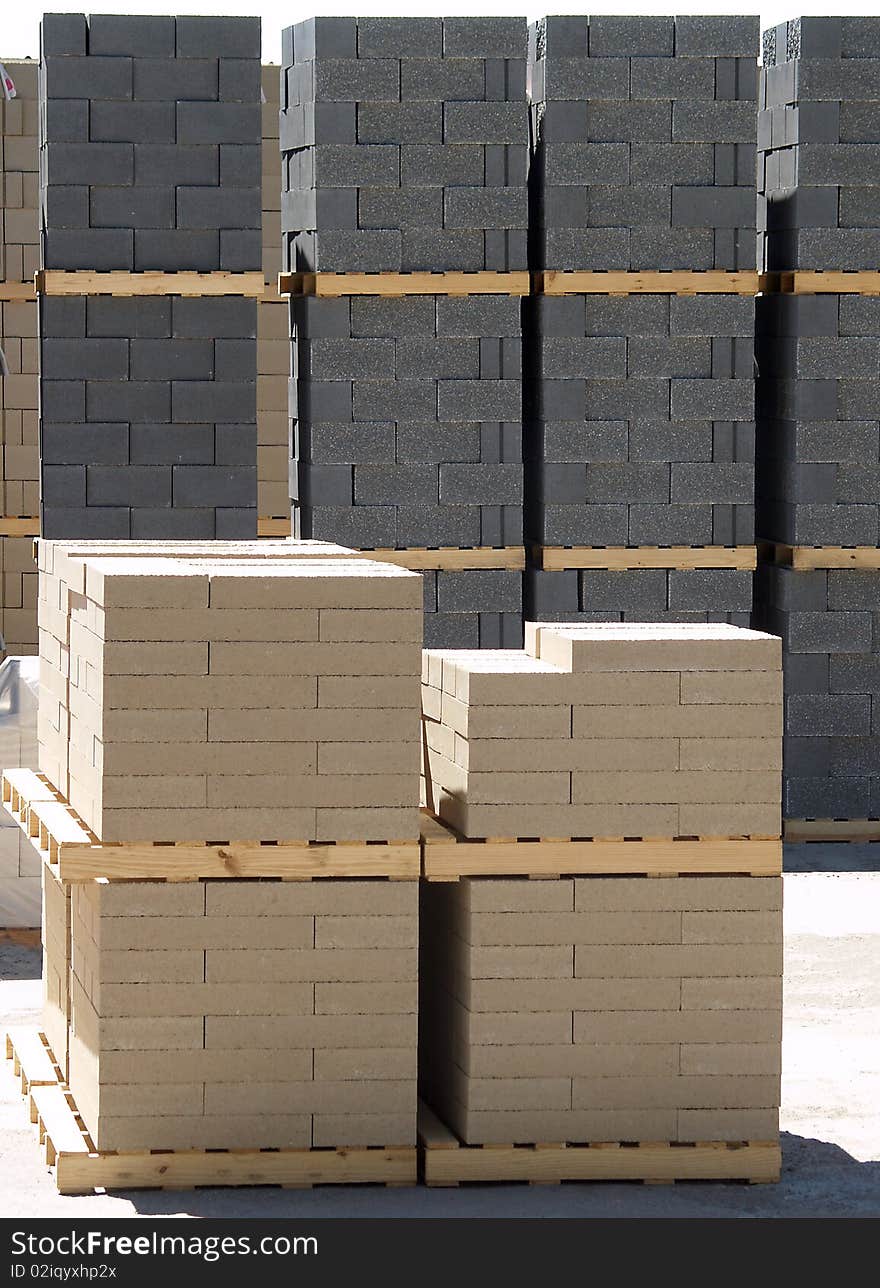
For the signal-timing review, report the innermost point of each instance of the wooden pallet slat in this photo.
(336, 285)
(664, 282)
(15, 292)
(624, 558)
(62, 282)
(831, 829)
(19, 526)
(811, 558)
(31, 1061)
(451, 558)
(829, 282)
(447, 856)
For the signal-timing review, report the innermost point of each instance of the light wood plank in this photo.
(57, 1121)
(806, 558)
(558, 282)
(31, 1060)
(192, 863)
(273, 527)
(451, 558)
(17, 291)
(829, 283)
(335, 285)
(557, 558)
(831, 829)
(86, 282)
(19, 526)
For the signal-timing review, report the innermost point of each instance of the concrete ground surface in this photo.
(830, 1095)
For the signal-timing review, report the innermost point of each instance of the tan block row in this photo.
(655, 647)
(621, 894)
(170, 1066)
(322, 824)
(610, 1125)
(631, 1091)
(612, 1029)
(255, 1131)
(237, 933)
(230, 999)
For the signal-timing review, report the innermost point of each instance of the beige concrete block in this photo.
(629, 689)
(575, 928)
(365, 691)
(361, 1130)
(366, 932)
(317, 1031)
(444, 740)
(714, 894)
(509, 1029)
(731, 1058)
(599, 994)
(157, 583)
(735, 993)
(762, 1026)
(170, 1067)
(507, 721)
(328, 965)
(681, 1092)
(730, 820)
(713, 787)
(557, 820)
(599, 754)
(500, 1128)
(528, 788)
(160, 1033)
(210, 932)
(212, 624)
(367, 999)
(160, 966)
(369, 758)
(310, 725)
(731, 753)
(151, 899)
(184, 725)
(571, 1061)
(732, 687)
(731, 927)
(655, 647)
(223, 1131)
(320, 583)
(728, 1124)
(150, 1098)
(368, 1065)
(265, 899)
(232, 758)
(148, 791)
(324, 659)
(194, 824)
(327, 790)
(376, 1096)
(516, 895)
(160, 658)
(744, 721)
(511, 1093)
(685, 960)
(368, 824)
(214, 691)
(224, 999)
(521, 963)
(400, 626)
(432, 703)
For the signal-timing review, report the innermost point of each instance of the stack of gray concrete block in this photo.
(640, 409)
(404, 148)
(645, 142)
(819, 145)
(150, 160)
(404, 144)
(818, 403)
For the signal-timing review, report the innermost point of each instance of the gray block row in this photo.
(640, 595)
(119, 522)
(119, 35)
(640, 37)
(658, 524)
(480, 608)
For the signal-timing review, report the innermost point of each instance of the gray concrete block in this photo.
(369, 443)
(62, 399)
(226, 317)
(577, 442)
(826, 797)
(452, 630)
(630, 122)
(443, 358)
(564, 122)
(630, 591)
(63, 33)
(822, 715)
(89, 163)
(629, 315)
(63, 485)
(664, 248)
(126, 207)
(442, 79)
(824, 632)
(589, 356)
(583, 78)
(375, 251)
(562, 484)
(82, 523)
(558, 316)
(407, 316)
(157, 164)
(63, 359)
(239, 80)
(209, 123)
(75, 443)
(209, 485)
(479, 37)
(485, 123)
(695, 121)
(173, 524)
(437, 165)
(481, 484)
(855, 673)
(732, 484)
(63, 317)
(670, 163)
(673, 78)
(354, 80)
(855, 756)
(170, 359)
(394, 399)
(219, 37)
(130, 400)
(627, 483)
(726, 590)
(396, 123)
(713, 207)
(331, 359)
(588, 163)
(438, 525)
(668, 525)
(169, 79)
(236, 523)
(625, 35)
(91, 77)
(485, 208)
(591, 248)
(166, 445)
(132, 122)
(639, 205)
(67, 120)
(217, 400)
(665, 440)
(552, 592)
(388, 37)
(720, 36)
(479, 590)
(424, 442)
(505, 80)
(851, 589)
(479, 400)
(408, 208)
(323, 484)
(720, 399)
(236, 359)
(130, 485)
(807, 673)
(583, 525)
(241, 166)
(90, 248)
(176, 249)
(363, 526)
(414, 484)
(631, 398)
(667, 357)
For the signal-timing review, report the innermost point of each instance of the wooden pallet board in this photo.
(79, 1168)
(20, 936)
(805, 282)
(85, 282)
(624, 558)
(17, 291)
(336, 285)
(32, 1062)
(19, 526)
(270, 526)
(559, 282)
(451, 558)
(444, 1160)
(810, 558)
(74, 853)
(831, 829)
(447, 856)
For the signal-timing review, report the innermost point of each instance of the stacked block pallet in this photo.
(404, 214)
(151, 145)
(566, 1015)
(241, 995)
(819, 414)
(19, 260)
(640, 401)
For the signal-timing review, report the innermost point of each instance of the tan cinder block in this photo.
(655, 647)
(365, 932)
(149, 899)
(640, 894)
(732, 687)
(182, 726)
(174, 1066)
(375, 1096)
(733, 993)
(260, 758)
(210, 932)
(506, 1029)
(507, 721)
(368, 824)
(310, 725)
(361, 1130)
(150, 1098)
(729, 820)
(678, 1026)
(730, 753)
(224, 1131)
(556, 820)
(576, 928)
(163, 966)
(296, 965)
(731, 928)
(211, 624)
(209, 691)
(731, 1058)
(517, 895)
(685, 960)
(513, 1093)
(367, 999)
(369, 758)
(501, 1128)
(707, 787)
(393, 626)
(366, 1064)
(195, 824)
(682, 1092)
(728, 1124)
(225, 999)
(602, 994)
(697, 721)
(311, 898)
(367, 691)
(506, 754)
(571, 1061)
(323, 659)
(342, 1031)
(161, 1033)
(554, 962)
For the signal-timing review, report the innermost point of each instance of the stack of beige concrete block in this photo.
(201, 697)
(608, 730)
(236, 1014)
(273, 326)
(19, 179)
(18, 608)
(603, 1009)
(18, 408)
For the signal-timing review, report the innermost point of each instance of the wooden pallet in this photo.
(451, 558)
(447, 856)
(806, 558)
(807, 282)
(831, 829)
(20, 936)
(19, 526)
(87, 282)
(444, 1160)
(79, 1168)
(559, 282)
(624, 558)
(17, 291)
(74, 853)
(336, 285)
(270, 526)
